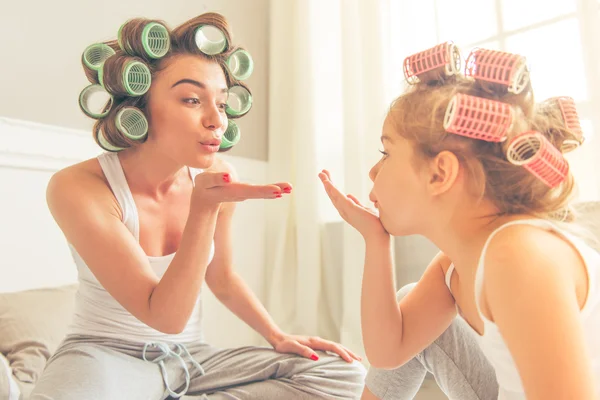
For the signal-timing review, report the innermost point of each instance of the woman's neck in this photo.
(151, 171)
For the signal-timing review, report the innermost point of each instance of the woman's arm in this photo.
(229, 287)
(233, 292)
(90, 218)
(529, 289)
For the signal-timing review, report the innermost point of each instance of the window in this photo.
(559, 40)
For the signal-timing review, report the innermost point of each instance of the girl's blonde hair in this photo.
(418, 116)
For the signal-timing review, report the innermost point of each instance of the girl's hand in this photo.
(305, 346)
(364, 220)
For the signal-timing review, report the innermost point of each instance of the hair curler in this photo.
(534, 152)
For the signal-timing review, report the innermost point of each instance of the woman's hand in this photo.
(305, 346)
(212, 188)
(364, 220)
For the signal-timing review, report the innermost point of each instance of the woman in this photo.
(149, 221)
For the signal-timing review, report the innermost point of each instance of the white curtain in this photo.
(327, 101)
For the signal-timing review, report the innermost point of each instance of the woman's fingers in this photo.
(285, 187)
(325, 345)
(212, 179)
(238, 191)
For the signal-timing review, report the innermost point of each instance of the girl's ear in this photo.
(443, 171)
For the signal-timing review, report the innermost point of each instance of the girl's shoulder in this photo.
(527, 253)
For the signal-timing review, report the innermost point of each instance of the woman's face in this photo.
(186, 105)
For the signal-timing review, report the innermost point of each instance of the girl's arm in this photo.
(393, 333)
(530, 291)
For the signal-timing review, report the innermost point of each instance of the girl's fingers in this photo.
(354, 199)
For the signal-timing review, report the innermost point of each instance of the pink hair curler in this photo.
(478, 118)
(498, 67)
(534, 152)
(571, 118)
(433, 64)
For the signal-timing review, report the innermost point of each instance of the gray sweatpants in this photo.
(455, 360)
(94, 368)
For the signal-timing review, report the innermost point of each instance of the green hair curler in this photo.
(105, 145)
(156, 40)
(210, 40)
(94, 55)
(119, 40)
(132, 123)
(84, 101)
(136, 78)
(240, 64)
(231, 136)
(101, 75)
(239, 101)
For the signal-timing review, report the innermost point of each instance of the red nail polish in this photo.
(287, 190)
(226, 178)
(276, 192)
(278, 196)
(314, 357)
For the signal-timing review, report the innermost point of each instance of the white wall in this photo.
(412, 255)
(34, 251)
(41, 43)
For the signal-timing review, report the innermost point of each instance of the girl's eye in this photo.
(384, 153)
(191, 101)
(223, 106)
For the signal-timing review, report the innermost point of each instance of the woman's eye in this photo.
(384, 153)
(191, 101)
(223, 106)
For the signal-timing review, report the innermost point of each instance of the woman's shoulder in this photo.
(83, 183)
(84, 173)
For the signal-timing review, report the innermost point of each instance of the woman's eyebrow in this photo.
(201, 85)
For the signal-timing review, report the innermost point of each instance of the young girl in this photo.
(471, 163)
(147, 227)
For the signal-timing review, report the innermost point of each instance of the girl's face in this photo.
(187, 110)
(399, 188)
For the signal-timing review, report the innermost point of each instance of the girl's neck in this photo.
(463, 237)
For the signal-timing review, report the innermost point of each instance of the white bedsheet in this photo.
(7, 382)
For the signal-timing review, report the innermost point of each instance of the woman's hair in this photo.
(419, 114)
(130, 47)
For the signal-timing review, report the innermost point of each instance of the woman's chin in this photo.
(203, 161)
